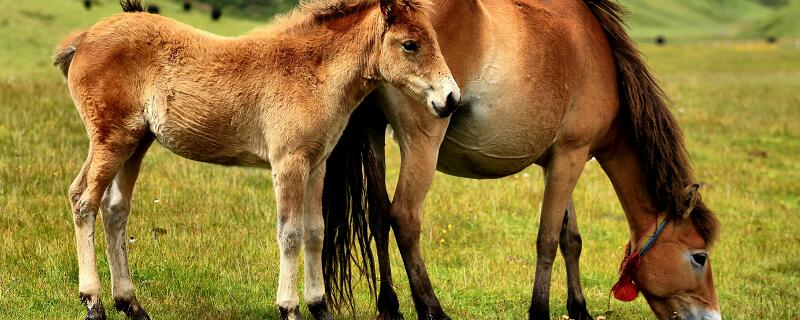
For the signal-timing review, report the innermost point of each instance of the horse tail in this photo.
(644, 109)
(354, 192)
(65, 51)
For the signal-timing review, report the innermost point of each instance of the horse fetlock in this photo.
(94, 306)
(131, 308)
(292, 313)
(319, 310)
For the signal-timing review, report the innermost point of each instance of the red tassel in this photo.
(625, 289)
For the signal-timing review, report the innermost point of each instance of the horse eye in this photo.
(410, 46)
(699, 259)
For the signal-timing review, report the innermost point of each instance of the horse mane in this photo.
(661, 147)
(311, 13)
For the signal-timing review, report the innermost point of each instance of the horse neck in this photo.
(622, 164)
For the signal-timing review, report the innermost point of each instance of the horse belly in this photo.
(497, 133)
(207, 137)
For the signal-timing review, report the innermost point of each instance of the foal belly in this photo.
(210, 137)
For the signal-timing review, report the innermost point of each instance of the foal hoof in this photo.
(390, 315)
(436, 315)
(94, 307)
(132, 309)
(290, 314)
(319, 310)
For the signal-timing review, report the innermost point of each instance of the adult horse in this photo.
(277, 98)
(552, 83)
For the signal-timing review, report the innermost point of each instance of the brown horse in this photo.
(552, 83)
(278, 98)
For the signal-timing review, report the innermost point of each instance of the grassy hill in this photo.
(694, 20)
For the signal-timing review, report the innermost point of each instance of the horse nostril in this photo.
(451, 101)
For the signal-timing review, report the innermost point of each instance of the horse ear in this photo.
(690, 196)
(387, 9)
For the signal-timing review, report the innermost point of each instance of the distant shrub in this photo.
(216, 12)
(87, 4)
(154, 9)
(187, 5)
(661, 40)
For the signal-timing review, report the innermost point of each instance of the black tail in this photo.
(656, 133)
(131, 5)
(354, 192)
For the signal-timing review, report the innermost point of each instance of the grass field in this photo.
(738, 102)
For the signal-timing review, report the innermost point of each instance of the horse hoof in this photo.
(437, 315)
(290, 314)
(319, 310)
(132, 309)
(389, 315)
(94, 307)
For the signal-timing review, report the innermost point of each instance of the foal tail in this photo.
(65, 51)
(645, 111)
(354, 193)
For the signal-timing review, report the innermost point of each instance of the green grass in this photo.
(738, 104)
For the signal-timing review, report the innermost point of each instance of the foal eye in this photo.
(699, 259)
(410, 46)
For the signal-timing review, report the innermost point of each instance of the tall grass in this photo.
(218, 258)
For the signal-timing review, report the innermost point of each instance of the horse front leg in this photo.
(290, 177)
(419, 154)
(561, 174)
(571, 244)
(314, 234)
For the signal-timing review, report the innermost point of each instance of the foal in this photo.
(278, 98)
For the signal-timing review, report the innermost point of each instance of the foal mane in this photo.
(668, 170)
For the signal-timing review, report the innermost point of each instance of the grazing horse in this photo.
(277, 98)
(552, 83)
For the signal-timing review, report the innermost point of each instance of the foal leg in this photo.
(561, 174)
(116, 207)
(314, 227)
(570, 243)
(85, 195)
(289, 177)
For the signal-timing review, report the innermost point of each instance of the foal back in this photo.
(137, 73)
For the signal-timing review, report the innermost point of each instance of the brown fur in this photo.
(655, 131)
(552, 83)
(278, 97)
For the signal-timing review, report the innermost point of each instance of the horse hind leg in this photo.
(116, 207)
(571, 244)
(85, 195)
(109, 147)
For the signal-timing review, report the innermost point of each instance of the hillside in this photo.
(704, 19)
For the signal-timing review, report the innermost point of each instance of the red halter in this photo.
(625, 289)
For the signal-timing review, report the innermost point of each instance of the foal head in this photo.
(410, 58)
(674, 273)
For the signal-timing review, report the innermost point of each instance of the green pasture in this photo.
(203, 237)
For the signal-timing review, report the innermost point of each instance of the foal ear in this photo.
(690, 196)
(388, 8)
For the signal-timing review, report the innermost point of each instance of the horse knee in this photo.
(290, 240)
(313, 238)
(546, 247)
(82, 212)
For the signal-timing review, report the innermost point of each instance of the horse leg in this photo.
(289, 178)
(85, 195)
(561, 174)
(388, 304)
(116, 207)
(416, 175)
(570, 243)
(313, 236)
